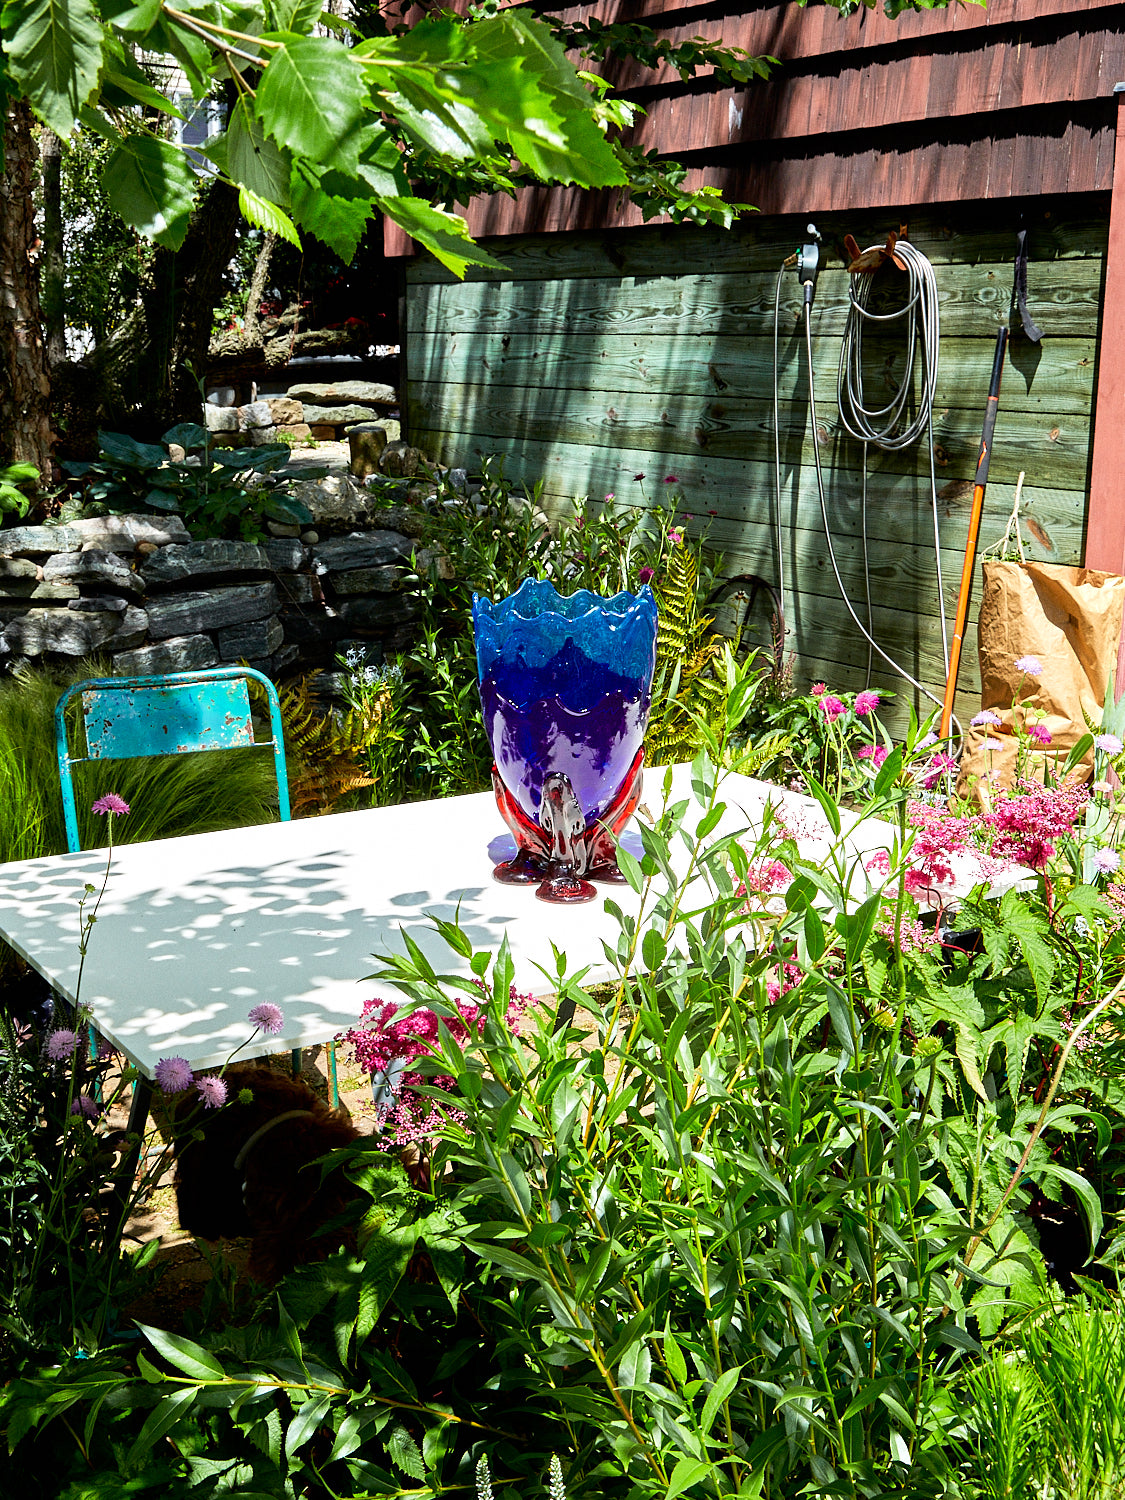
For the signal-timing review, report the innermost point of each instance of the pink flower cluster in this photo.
(766, 877)
(1023, 827)
(379, 1041)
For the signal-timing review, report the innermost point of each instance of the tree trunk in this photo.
(150, 364)
(25, 388)
(252, 331)
(54, 312)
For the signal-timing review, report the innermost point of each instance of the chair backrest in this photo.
(126, 717)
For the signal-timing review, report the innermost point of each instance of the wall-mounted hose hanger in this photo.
(896, 423)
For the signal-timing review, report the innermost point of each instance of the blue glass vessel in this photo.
(565, 687)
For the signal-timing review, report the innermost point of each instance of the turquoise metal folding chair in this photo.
(173, 714)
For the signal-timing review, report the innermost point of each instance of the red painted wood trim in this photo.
(1105, 518)
(1105, 524)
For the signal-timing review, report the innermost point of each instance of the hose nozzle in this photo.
(808, 262)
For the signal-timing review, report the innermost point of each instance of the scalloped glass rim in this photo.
(538, 620)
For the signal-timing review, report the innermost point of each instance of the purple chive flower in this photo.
(1030, 666)
(1106, 861)
(110, 804)
(61, 1044)
(212, 1090)
(985, 717)
(84, 1105)
(866, 703)
(1109, 743)
(645, 575)
(268, 1017)
(174, 1074)
(1040, 734)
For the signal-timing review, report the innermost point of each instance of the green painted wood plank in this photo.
(762, 245)
(738, 492)
(1055, 453)
(973, 299)
(1059, 383)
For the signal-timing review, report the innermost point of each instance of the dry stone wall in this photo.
(138, 589)
(321, 410)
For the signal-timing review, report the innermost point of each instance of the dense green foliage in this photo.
(220, 492)
(744, 1221)
(483, 101)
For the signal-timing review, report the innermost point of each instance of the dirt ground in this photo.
(184, 1264)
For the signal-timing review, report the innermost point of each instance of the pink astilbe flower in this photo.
(1030, 666)
(1109, 743)
(767, 877)
(876, 754)
(832, 708)
(267, 1017)
(212, 1090)
(61, 1044)
(985, 717)
(1027, 824)
(866, 703)
(912, 936)
(111, 803)
(1040, 734)
(786, 977)
(879, 863)
(380, 1042)
(174, 1074)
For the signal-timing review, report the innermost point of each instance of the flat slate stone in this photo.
(38, 541)
(123, 533)
(69, 634)
(337, 416)
(184, 653)
(99, 604)
(286, 554)
(339, 392)
(299, 588)
(305, 629)
(256, 638)
(367, 549)
(13, 590)
(200, 560)
(379, 613)
(212, 609)
(12, 568)
(92, 568)
(367, 580)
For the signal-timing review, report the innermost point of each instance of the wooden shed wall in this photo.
(596, 357)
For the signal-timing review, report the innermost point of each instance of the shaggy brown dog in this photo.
(245, 1170)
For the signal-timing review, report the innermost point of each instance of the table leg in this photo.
(127, 1171)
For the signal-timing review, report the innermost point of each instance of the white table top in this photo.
(194, 931)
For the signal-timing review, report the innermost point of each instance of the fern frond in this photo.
(324, 748)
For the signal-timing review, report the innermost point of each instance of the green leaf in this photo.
(134, 17)
(253, 160)
(687, 1472)
(266, 215)
(187, 1357)
(312, 98)
(1032, 934)
(151, 186)
(53, 50)
(403, 1452)
(161, 1420)
(306, 1421)
(718, 1395)
(444, 235)
(294, 15)
(337, 222)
